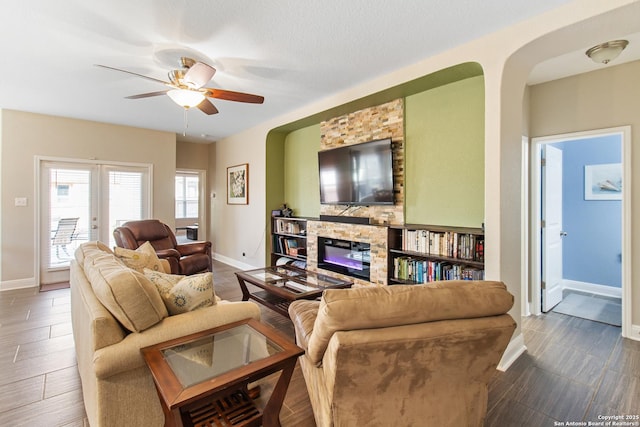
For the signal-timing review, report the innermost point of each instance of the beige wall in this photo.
(212, 196)
(25, 136)
(240, 229)
(601, 99)
(191, 155)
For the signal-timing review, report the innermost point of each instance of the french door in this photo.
(80, 202)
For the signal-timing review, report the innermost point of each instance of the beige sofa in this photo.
(403, 355)
(117, 386)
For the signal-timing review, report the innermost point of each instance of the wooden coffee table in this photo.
(202, 378)
(281, 285)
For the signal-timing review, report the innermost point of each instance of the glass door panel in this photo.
(128, 195)
(83, 202)
(67, 216)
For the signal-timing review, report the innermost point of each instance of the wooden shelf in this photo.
(285, 232)
(274, 302)
(235, 409)
(434, 253)
(463, 261)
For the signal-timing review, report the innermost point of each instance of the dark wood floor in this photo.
(574, 369)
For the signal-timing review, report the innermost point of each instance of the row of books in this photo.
(288, 227)
(424, 271)
(288, 246)
(444, 243)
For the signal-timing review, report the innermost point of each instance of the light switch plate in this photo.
(20, 201)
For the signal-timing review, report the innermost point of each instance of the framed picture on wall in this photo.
(238, 184)
(603, 182)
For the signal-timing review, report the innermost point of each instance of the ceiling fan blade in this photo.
(147, 95)
(135, 74)
(207, 107)
(234, 96)
(198, 75)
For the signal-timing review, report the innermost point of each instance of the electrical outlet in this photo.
(20, 201)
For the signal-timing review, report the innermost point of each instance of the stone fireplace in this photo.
(373, 235)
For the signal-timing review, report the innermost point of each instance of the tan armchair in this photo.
(403, 355)
(187, 258)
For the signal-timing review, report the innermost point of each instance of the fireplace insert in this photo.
(344, 257)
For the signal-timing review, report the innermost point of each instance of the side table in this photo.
(203, 378)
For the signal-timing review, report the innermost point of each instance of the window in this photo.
(187, 185)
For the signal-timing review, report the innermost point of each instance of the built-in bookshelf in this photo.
(288, 239)
(422, 253)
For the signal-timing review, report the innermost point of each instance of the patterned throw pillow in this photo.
(183, 293)
(143, 257)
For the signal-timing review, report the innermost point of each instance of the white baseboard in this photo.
(635, 333)
(515, 348)
(18, 284)
(233, 262)
(607, 291)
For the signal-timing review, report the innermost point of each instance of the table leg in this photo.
(243, 288)
(271, 413)
(171, 418)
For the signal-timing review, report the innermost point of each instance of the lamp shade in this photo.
(606, 52)
(186, 98)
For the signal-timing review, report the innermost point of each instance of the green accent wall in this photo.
(444, 155)
(444, 150)
(274, 180)
(301, 186)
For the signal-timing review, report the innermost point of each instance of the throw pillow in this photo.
(183, 293)
(128, 295)
(141, 258)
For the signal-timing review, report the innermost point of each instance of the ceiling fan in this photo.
(186, 87)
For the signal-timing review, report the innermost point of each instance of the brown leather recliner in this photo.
(186, 259)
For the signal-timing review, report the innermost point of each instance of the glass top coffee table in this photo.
(280, 285)
(202, 378)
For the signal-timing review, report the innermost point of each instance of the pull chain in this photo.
(186, 121)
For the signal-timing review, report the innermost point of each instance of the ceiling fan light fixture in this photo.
(606, 52)
(186, 98)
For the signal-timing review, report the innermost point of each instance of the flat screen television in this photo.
(359, 174)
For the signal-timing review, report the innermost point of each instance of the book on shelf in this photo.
(449, 244)
(424, 271)
(291, 246)
(277, 245)
(288, 227)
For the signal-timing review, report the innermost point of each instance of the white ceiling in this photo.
(292, 52)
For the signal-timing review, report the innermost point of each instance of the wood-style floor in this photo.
(574, 369)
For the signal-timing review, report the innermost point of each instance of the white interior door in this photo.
(80, 202)
(552, 230)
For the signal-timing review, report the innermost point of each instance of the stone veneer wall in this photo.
(379, 122)
(375, 235)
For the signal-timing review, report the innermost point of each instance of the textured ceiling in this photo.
(292, 52)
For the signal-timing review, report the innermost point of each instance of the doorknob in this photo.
(93, 227)
(563, 234)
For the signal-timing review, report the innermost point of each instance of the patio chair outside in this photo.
(64, 234)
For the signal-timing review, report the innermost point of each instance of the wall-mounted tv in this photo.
(359, 174)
